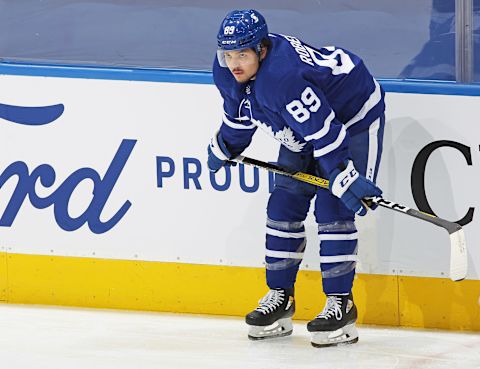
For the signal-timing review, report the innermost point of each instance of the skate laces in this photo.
(332, 308)
(272, 300)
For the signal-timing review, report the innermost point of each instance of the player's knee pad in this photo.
(285, 245)
(338, 255)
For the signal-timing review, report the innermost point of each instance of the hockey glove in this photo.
(218, 154)
(351, 187)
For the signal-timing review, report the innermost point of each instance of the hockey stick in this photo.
(458, 247)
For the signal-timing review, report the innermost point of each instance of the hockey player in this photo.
(327, 111)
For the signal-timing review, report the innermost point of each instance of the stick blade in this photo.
(458, 255)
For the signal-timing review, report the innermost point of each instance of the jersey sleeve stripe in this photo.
(233, 125)
(334, 145)
(373, 100)
(372, 149)
(322, 132)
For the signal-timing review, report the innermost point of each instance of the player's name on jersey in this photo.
(195, 176)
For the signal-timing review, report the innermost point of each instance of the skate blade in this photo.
(343, 336)
(281, 328)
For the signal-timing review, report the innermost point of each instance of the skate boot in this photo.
(273, 316)
(335, 325)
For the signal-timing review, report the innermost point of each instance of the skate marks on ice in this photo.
(70, 338)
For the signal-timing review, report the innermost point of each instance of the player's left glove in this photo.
(351, 187)
(218, 153)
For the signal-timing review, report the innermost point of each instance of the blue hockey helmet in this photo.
(242, 29)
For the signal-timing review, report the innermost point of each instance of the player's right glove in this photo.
(351, 187)
(218, 154)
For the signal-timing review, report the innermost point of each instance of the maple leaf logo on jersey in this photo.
(285, 136)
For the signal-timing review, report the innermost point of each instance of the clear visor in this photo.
(221, 58)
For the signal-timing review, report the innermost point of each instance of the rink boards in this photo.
(106, 201)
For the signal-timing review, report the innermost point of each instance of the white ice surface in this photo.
(33, 337)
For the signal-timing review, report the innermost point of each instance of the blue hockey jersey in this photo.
(309, 99)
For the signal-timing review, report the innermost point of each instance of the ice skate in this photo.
(335, 325)
(273, 316)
